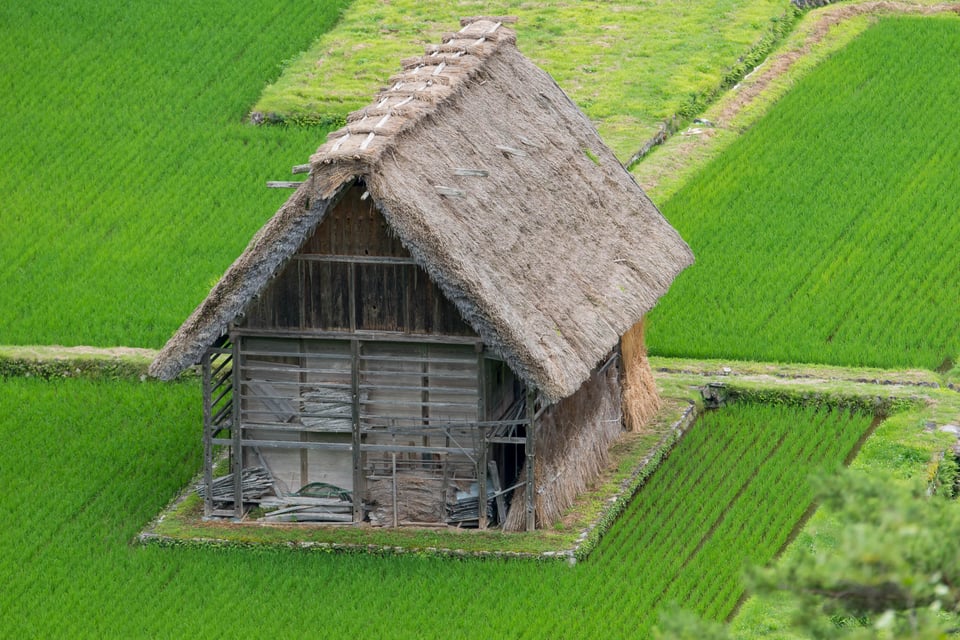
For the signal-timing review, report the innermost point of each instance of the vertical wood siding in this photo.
(353, 254)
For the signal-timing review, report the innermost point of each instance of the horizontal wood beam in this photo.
(341, 446)
(363, 336)
(352, 259)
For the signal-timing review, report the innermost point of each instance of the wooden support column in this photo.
(355, 417)
(497, 487)
(235, 429)
(482, 478)
(484, 446)
(529, 494)
(207, 435)
(304, 436)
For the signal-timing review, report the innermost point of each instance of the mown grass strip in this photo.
(68, 362)
(629, 65)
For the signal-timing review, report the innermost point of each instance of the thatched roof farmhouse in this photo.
(432, 322)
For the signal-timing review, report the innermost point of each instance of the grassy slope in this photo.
(75, 520)
(629, 65)
(130, 181)
(842, 255)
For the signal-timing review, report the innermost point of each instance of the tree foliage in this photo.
(892, 572)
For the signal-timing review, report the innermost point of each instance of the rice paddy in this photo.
(87, 464)
(131, 180)
(826, 233)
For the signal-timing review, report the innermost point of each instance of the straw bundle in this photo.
(640, 399)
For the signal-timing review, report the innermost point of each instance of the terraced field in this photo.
(826, 233)
(69, 570)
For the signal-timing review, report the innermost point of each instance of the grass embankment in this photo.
(628, 65)
(824, 233)
(81, 480)
(131, 180)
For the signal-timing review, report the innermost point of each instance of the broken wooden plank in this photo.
(450, 191)
(283, 184)
(479, 173)
(497, 491)
(511, 150)
(300, 168)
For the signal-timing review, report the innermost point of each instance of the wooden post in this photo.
(236, 429)
(484, 447)
(482, 479)
(425, 390)
(207, 437)
(355, 417)
(394, 474)
(529, 494)
(304, 436)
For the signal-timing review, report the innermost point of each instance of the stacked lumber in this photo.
(466, 511)
(255, 483)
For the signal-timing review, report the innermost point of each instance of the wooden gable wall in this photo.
(353, 274)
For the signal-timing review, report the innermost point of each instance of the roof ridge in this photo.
(424, 84)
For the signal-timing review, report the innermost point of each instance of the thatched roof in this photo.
(501, 189)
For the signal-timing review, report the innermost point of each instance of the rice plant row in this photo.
(827, 232)
(744, 484)
(86, 464)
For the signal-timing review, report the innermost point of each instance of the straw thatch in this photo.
(573, 441)
(502, 191)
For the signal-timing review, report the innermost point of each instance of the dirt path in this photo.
(743, 95)
(830, 16)
(57, 352)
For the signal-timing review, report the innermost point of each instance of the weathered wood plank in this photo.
(313, 257)
(208, 426)
(236, 448)
(358, 481)
(498, 492)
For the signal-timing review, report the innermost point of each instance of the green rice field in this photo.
(827, 233)
(87, 464)
(131, 180)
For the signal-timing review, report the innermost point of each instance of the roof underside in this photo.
(503, 192)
